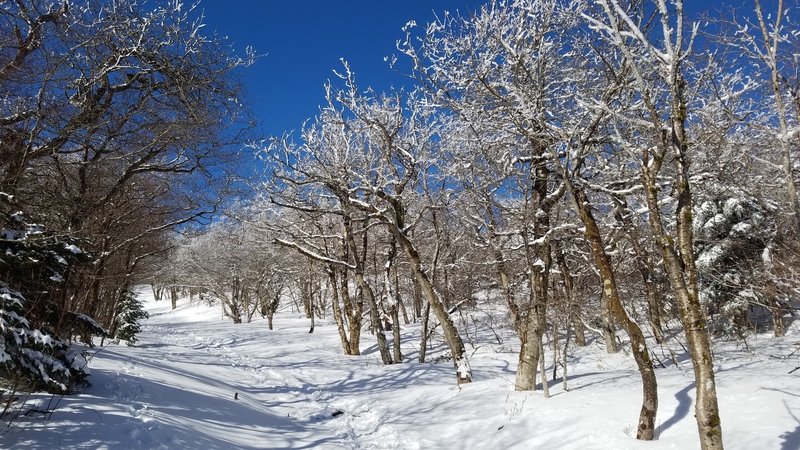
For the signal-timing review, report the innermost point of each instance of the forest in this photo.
(598, 171)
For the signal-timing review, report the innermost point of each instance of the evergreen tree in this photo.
(733, 234)
(131, 311)
(35, 350)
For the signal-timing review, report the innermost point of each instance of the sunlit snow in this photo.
(197, 381)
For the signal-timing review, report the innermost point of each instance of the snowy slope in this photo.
(176, 390)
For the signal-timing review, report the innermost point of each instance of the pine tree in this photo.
(733, 232)
(34, 267)
(131, 312)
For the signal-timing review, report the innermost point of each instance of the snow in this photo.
(88, 320)
(41, 338)
(72, 248)
(710, 256)
(8, 295)
(197, 381)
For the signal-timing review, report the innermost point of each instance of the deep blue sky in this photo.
(302, 41)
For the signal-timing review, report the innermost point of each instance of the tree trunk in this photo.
(770, 55)
(777, 319)
(417, 301)
(451, 335)
(393, 297)
(654, 311)
(533, 326)
(312, 317)
(539, 259)
(682, 273)
(683, 279)
(542, 371)
(569, 292)
(647, 415)
(399, 298)
(173, 293)
(564, 354)
(337, 312)
(354, 310)
(423, 340)
(607, 323)
(508, 294)
(644, 263)
(234, 305)
(367, 291)
(364, 288)
(398, 355)
(578, 329)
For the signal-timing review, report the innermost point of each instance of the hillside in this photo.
(198, 381)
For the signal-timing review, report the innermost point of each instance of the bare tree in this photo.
(658, 69)
(502, 117)
(367, 154)
(768, 42)
(114, 113)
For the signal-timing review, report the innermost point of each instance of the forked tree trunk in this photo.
(539, 259)
(677, 251)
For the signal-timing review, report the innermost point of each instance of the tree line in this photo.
(595, 165)
(118, 123)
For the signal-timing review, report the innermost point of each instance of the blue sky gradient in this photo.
(303, 40)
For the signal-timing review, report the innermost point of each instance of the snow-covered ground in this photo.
(197, 381)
